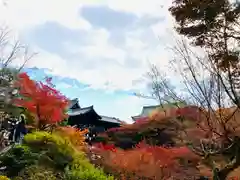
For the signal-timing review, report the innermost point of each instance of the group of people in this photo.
(14, 129)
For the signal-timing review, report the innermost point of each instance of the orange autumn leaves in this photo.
(45, 103)
(161, 156)
(75, 136)
(144, 161)
(159, 162)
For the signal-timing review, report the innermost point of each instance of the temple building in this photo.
(87, 117)
(147, 110)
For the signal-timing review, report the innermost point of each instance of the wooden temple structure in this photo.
(147, 110)
(87, 117)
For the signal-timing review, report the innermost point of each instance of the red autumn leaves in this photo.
(45, 103)
(145, 161)
(164, 155)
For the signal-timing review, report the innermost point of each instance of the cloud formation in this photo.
(106, 45)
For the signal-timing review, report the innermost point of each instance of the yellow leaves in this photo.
(4, 178)
(225, 113)
(76, 137)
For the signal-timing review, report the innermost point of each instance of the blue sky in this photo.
(97, 51)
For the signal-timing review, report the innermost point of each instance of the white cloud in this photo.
(28, 13)
(22, 15)
(25, 14)
(135, 45)
(63, 85)
(139, 7)
(135, 103)
(97, 37)
(102, 50)
(47, 60)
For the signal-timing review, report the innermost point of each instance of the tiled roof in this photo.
(79, 111)
(72, 102)
(136, 117)
(147, 110)
(110, 119)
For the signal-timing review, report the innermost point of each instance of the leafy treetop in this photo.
(212, 24)
(44, 102)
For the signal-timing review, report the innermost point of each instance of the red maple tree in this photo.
(44, 102)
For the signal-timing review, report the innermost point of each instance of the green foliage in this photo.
(64, 123)
(4, 178)
(30, 119)
(12, 110)
(45, 156)
(82, 169)
(54, 150)
(99, 139)
(211, 24)
(36, 173)
(7, 77)
(17, 159)
(153, 132)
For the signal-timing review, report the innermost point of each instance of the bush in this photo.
(154, 132)
(17, 159)
(100, 139)
(45, 156)
(36, 173)
(4, 178)
(158, 129)
(55, 151)
(82, 169)
(75, 136)
(147, 162)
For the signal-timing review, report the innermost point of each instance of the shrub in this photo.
(45, 156)
(147, 162)
(17, 159)
(63, 123)
(60, 153)
(160, 128)
(75, 136)
(81, 169)
(100, 139)
(4, 178)
(54, 150)
(36, 173)
(155, 132)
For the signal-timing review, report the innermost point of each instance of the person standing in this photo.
(20, 130)
(11, 129)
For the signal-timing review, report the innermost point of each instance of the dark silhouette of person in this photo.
(5, 124)
(20, 129)
(11, 128)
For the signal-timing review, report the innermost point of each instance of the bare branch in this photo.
(12, 53)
